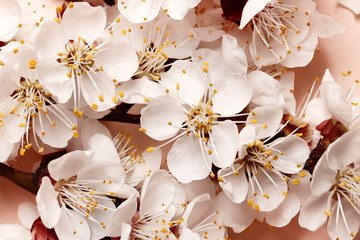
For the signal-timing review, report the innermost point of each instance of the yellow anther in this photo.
(266, 195)
(22, 125)
(342, 184)
(264, 126)
(296, 181)
(268, 152)
(328, 213)
(177, 86)
(205, 69)
(41, 149)
(80, 114)
(71, 5)
(142, 130)
(299, 134)
(302, 174)
(74, 128)
(298, 165)
(285, 194)
(256, 207)
(123, 32)
(258, 143)
(57, 20)
(117, 19)
(253, 120)
(16, 50)
(28, 146)
(1, 123)
(121, 94)
(146, 99)
(114, 99)
(236, 172)
(251, 203)
(209, 152)
(156, 78)
(89, 56)
(220, 179)
(212, 175)
(150, 149)
(101, 98)
(94, 106)
(191, 35)
(59, 9)
(22, 151)
(32, 63)
(76, 134)
(206, 63)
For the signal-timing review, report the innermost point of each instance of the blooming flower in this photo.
(286, 31)
(74, 62)
(155, 42)
(195, 106)
(161, 197)
(27, 108)
(261, 172)
(335, 190)
(76, 200)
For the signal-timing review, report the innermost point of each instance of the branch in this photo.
(119, 114)
(22, 179)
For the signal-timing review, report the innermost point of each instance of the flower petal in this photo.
(234, 186)
(252, 7)
(83, 21)
(47, 204)
(138, 11)
(223, 143)
(68, 165)
(186, 159)
(155, 117)
(10, 18)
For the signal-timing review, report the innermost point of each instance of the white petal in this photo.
(138, 11)
(68, 165)
(325, 25)
(335, 100)
(233, 94)
(353, 5)
(122, 215)
(27, 213)
(238, 216)
(83, 21)
(158, 193)
(341, 226)
(295, 153)
(186, 80)
(234, 186)
(6, 149)
(187, 234)
(266, 90)
(156, 116)
(10, 18)
(223, 143)
(186, 160)
(178, 37)
(14, 232)
(344, 150)
(103, 148)
(72, 225)
(94, 84)
(53, 77)
(271, 184)
(312, 215)
(178, 9)
(282, 215)
(252, 7)
(50, 40)
(56, 114)
(118, 59)
(233, 54)
(323, 177)
(112, 172)
(317, 112)
(267, 120)
(47, 204)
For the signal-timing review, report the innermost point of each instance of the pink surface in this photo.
(339, 53)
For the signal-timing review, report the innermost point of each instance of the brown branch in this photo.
(119, 114)
(22, 179)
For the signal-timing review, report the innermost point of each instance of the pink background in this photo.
(339, 53)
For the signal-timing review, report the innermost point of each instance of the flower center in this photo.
(200, 119)
(78, 57)
(348, 185)
(79, 196)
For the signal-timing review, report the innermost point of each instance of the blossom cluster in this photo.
(212, 82)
